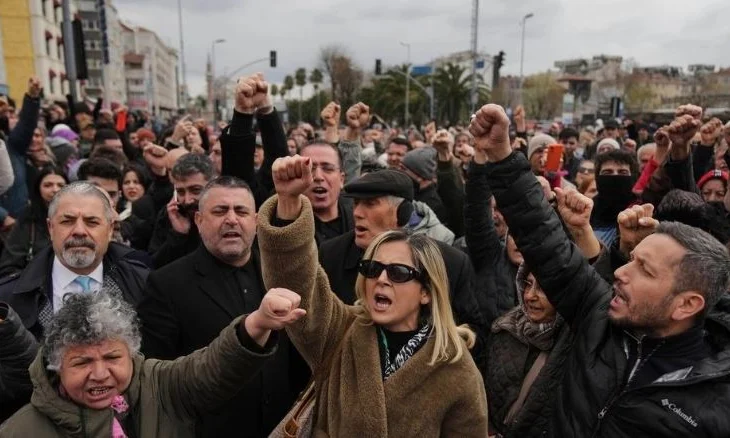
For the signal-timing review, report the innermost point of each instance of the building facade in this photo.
(157, 67)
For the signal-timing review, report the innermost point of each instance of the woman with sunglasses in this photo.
(395, 363)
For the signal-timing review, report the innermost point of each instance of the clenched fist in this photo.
(34, 87)
(711, 131)
(443, 141)
(331, 115)
(574, 208)
(519, 117)
(635, 224)
(358, 116)
(278, 309)
(490, 129)
(429, 132)
(252, 93)
(689, 110)
(154, 156)
(292, 175)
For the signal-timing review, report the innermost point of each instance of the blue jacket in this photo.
(16, 198)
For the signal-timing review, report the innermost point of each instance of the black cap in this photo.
(381, 183)
(611, 124)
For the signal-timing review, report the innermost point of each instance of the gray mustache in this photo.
(79, 242)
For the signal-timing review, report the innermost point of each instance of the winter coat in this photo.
(28, 237)
(14, 200)
(431, 198)
(17, 349)
(429, 224)
(7, 176)
(27, 291)
(340, 256)
(451, 191)
(64, 151)
(593, 400)
(418, 400)
(167, 245)
(164, 397)
(495, 273)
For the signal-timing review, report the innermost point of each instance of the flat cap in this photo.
(381, 183)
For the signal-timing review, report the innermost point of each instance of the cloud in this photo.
(650, 31)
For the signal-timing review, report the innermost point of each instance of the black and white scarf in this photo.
(406, 352)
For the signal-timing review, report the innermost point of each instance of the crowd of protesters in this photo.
(476, 280)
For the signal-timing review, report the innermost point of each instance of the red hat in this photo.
(713, 174)
(145, 134)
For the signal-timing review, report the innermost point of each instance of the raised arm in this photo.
(357, 117)
(558, 265)
(289, 260)
(17, 350)
(21, 136)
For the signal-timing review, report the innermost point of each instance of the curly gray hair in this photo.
(88, 319)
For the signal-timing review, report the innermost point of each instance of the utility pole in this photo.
(69, 49)
(474, 31)
(182, 56)
(408, 81)
(522, 51)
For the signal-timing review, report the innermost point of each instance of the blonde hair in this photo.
(450, 340)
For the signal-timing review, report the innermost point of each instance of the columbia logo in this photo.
(677, 410)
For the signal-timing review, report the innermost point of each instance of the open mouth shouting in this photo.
(382, 302)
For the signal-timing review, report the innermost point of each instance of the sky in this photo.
(652, 32)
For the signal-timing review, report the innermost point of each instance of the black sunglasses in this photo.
(397, 273)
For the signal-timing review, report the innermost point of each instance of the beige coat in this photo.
(419, 400)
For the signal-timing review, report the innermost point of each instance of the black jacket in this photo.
(186, 305)
(167, 245)
(594, 400)
(430, 197)
(451, 191)
(28, 237)
(17, 350)
(26, 291)
(495, 273)
(344, 217)
(340, 256)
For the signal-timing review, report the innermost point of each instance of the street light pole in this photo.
(408, 80)
(182, 55)
(212, 74)
(522, 50)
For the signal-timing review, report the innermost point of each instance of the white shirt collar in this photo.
(63, 277)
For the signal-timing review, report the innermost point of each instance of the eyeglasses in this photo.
(587, 170)
(325, 167)
(397, 273)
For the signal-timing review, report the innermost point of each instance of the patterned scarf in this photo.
(120, 407)
(406, 352)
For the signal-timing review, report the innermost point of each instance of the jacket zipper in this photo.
(622, 390)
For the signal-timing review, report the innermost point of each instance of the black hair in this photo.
(100, 168)
(567, 133)
(141, 172)
(191, 164)
(690, 209)
(110, 153)
(38, 207)
(320, 143)
(105, 134)
(618, 156)
(402, 142)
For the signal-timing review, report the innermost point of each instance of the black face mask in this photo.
(719, 207)
(614, 196)
(188, 210)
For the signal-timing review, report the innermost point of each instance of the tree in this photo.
(316, 78)
(288, 83)
(386, 96)
(274, 90)
(542, 96)
(345, 76)
(453, 91)
(300, 77)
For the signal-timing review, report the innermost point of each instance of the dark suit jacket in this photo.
(340, 256)
(186, 305)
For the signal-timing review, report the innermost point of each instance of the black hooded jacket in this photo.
(595, 399)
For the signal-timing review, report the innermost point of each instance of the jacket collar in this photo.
(353, 253)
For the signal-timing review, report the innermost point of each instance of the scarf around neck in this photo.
(405, 353)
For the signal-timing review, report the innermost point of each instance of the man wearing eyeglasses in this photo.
(332, 214)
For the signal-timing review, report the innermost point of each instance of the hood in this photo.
(56, 142)
(67, 416)
(429, 224)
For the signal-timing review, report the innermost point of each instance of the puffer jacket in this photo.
(424, 221)
(594, 400)
(18, 347)
(164, 397)
(495, 273)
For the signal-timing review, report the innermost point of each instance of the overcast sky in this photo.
(653, 32)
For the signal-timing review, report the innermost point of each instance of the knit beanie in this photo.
(537, 142)
(422, 162)
(608, 142)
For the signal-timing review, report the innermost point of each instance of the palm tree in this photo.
(386, 96)
(274, 90)
(453, 89)
(315, 78)
(300, 77)
(289, 83)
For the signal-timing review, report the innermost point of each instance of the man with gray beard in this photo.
(81, 259)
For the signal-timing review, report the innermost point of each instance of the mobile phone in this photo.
(554, 157)
(174, 196)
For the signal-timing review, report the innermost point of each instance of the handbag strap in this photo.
(526, 385)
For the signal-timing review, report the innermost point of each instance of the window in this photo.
(51, 88)
(48, 47)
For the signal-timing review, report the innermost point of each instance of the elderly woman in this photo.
(89, 379)
(396, 363)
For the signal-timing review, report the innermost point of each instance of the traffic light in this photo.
(82, 71)
(103, 27)
(378, 67)
(496, 67)
(272, 59)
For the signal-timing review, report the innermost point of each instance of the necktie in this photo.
(84, 282)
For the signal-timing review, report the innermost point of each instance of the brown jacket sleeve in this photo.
(289, 260)
(207, 378)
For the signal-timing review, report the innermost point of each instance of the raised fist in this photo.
(661, 138)
(519, 117)
(443, 141)
(689, 110)
(278, 308)
(710, 132)
(634, 224)
(252, 93)
(429, 131)
(683, 129)
(331, 115)
(182, 129)
(574, 208)
(154, 156)
(34, 87)
(490, 129)
(292, 175)
(358, 116)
